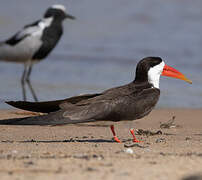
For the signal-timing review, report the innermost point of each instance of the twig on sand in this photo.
(169, 124)
(148, 132)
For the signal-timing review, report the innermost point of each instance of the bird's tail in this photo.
(44, 107)
(48, 106)
(14, 121)
(49, 119)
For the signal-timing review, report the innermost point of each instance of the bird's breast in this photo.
(136, 106)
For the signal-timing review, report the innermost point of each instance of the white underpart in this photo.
(59, 6)
(25, 49)
(154, 74)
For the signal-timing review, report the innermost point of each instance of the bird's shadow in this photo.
(193, 177)
(62, 141)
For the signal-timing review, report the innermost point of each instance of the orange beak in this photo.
(171, 72)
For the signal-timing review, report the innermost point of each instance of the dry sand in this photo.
(87, 151)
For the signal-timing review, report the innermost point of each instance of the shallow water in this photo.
(101, 48)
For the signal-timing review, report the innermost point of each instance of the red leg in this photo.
(133, 134)
(114, 134)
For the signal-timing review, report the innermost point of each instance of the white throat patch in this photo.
(154, 74)
(59, 6)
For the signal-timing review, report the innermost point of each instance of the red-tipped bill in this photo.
(171, 72)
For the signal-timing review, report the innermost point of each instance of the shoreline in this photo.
(88, 151)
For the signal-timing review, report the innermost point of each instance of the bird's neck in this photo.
(147, 78)
(57, 21)
(141, 84)
(46, 22)
(154, 81)
(149, 83)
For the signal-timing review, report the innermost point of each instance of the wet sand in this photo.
(88, 152)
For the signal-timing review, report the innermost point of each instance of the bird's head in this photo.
(57, 11)
(151, 68)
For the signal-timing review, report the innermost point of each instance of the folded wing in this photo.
(26, 31)
(75, 114)
(49, 106)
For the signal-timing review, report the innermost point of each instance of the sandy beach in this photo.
(88, 152)
(98, 51)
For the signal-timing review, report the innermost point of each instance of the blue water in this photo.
(101, 48)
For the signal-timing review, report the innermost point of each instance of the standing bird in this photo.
(34, 42)
(129, 102)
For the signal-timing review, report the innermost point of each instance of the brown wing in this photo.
(52, 106)
(75, 114)
(49, 106)
(130, 106)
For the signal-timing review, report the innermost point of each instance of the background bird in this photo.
(128, 102)
(34, 42)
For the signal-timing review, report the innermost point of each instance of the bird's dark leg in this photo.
(133, 134)
(114, 134)
(29, 83)
(23, 82)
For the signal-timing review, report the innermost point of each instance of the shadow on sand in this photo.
(62, 141)
(193, 177)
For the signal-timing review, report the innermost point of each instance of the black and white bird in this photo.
(34, 42)
(128, 102)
